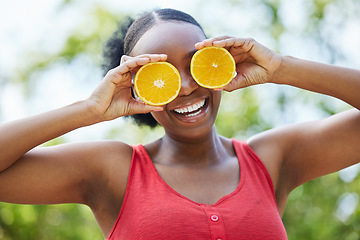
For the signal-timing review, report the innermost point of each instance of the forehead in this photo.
(165, 37)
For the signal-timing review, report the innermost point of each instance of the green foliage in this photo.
(277, 27)
(312, 208)
(311, 212)
(58, 222)
(319, 8)
(133, 134)
(239, 115)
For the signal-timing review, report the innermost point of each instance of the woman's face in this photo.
(192, 114)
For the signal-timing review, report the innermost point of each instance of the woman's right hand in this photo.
(112, 98)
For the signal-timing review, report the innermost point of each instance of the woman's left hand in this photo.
(255, 64)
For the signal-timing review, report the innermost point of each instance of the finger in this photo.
(236, 45)
(231, 41)
(225, 43)
(154, 57)
(209, 42)
(245, 44)
(129, 63)
(117, 75)
(231, 87)
(240, 81)
(145, 108)
(151, 57)
(124, 58)
(218, 89)
(138, 106)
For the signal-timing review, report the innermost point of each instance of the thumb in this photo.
(139, 107)
(239, 81)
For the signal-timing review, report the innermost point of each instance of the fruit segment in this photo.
(212, 67)
(157, 83)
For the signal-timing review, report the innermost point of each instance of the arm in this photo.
(310, 150)
(298, 153)
(339, 82)
(19, 136)
(65, 173)
(256, 64)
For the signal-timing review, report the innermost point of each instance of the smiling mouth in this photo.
(192, 110)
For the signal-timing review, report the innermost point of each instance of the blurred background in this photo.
(50, 56)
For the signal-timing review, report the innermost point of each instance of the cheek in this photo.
(160, 117)
(216, 99)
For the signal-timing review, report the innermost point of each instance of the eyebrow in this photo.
(190, 54)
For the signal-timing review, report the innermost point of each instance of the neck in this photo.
(203, 151)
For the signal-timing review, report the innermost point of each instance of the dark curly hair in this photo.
(127, 35)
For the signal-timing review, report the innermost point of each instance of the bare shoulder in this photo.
(113, 151)
(108, 164)
(322, 142)
(73, 170)
(298, 153)
(271, 147)
(112, 159)
(107, 186)
(90, 156)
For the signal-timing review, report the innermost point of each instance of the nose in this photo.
(188, 85)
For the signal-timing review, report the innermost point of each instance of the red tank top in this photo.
(153, 210)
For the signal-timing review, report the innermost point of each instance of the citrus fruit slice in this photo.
(212, 67)
(157, 83)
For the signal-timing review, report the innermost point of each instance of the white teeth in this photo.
(194, 114)
(191, 108)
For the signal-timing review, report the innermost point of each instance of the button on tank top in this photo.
(153, 210)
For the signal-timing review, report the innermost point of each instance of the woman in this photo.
(192, 183)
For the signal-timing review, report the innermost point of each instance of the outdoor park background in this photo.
(50, 56)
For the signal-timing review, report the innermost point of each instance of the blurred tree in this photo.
(326, 208)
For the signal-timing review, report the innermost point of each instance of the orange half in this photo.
(213, 67)
(157, 83)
